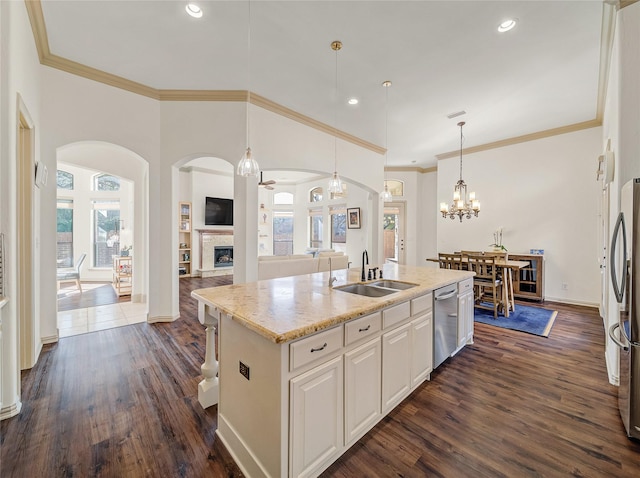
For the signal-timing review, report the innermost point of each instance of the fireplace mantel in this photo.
(219, 232)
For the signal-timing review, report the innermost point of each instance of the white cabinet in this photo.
(465, 313)
(396, 366)
(361, 389)
(316, 426)
(421, 348)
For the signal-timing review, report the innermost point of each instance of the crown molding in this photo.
(524, 138)
(203, 95)
(410, 169)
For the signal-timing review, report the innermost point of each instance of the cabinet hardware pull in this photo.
(319, 348)
(365, 329)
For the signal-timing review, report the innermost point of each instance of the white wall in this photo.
(545, 195)
(18, 76)
(428, 219)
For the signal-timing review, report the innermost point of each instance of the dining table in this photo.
(507, 266)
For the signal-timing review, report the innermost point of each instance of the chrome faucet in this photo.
(364, 254)
(331, 278)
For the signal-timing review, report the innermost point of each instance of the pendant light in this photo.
(335, 184)
(386, 195)
(461, 207)
(247, 165)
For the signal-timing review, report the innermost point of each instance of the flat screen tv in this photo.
(218, 212)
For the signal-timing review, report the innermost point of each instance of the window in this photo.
(106, 182)
(396, 188)
(106, 230)
(315, 195)
(64, 231)
(315, 227)
(338, 216)
(283, 198)
(64, 179)
(282, 233)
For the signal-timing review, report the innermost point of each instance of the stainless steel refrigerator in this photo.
(625, 269)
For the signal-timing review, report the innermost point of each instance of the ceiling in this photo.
(441, 56)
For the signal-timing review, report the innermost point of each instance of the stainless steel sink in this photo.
(366, 290)
(393, 284)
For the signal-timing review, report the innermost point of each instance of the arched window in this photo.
(106, 182)
(283, 198)
(315, 195)
(64, 179)
(396, 187)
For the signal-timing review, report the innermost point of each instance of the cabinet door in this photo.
(421, 348)
(465, 319)
(396, 366)
(316, 411)
(362, 389)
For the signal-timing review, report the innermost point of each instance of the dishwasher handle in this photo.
(446, 296)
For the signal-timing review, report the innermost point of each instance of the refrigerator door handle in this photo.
(616, 340)
(618, 289)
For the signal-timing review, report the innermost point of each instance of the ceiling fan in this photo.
(266, 184)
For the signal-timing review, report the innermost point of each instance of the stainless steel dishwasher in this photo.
(445, 323)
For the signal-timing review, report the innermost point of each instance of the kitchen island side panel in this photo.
(258, 406)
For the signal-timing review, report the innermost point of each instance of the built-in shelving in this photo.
(184, 239)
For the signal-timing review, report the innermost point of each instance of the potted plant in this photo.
(497, 241)
(125, 251)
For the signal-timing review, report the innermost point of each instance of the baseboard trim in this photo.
(51, 339)
(563, 300)
(10, 411)
(153, 320)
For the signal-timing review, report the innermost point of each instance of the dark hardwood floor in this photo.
(123, 403)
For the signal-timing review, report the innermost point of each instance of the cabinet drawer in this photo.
(465, 286)
(396, 314)
(362, 327)
(314, 347)
(421, 304)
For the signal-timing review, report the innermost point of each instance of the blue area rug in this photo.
(533, 320)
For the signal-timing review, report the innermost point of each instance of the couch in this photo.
(271, 267)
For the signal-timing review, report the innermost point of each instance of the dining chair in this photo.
(450, 261)
(71, 273)
(488, 293)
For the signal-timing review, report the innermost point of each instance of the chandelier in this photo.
(461, 207)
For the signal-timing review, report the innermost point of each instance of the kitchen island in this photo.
(305, 369)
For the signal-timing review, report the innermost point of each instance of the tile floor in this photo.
(81, 321)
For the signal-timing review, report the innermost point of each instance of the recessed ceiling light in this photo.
(353, 101)
(194, 10)
(507, 25)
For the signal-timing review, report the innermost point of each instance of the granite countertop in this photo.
(288, 308)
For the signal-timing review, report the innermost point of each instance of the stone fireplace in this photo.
(216, 252)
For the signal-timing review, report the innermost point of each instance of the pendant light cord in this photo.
(248, 70)
(461, 125)
(335, 119)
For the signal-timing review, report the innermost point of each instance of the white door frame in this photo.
(401, 225)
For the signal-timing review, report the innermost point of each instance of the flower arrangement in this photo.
(497, 240)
